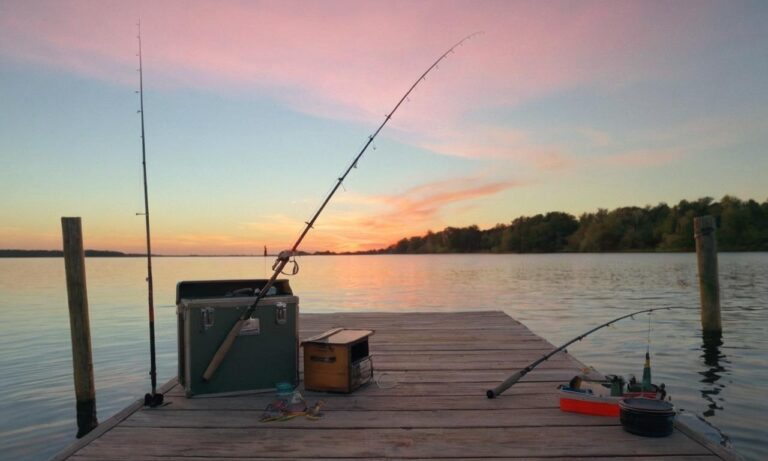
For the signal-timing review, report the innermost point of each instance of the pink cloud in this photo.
(352, 59)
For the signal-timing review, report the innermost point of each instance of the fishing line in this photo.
(509, 382)
(648, 345)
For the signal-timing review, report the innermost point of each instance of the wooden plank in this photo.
(353, 443)
(466, 360)
(256, 456)
(492, 352)
(506, 346)
(368, 402)
(408, 316)
(110, 423)
(394, 325)
(453, 337)
(345, 419)
(390, 387)
(419, 326)
(384, 363)
(721, 451)
(555, 375)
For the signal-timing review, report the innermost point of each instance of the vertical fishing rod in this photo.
(284, 256)
(153, 399)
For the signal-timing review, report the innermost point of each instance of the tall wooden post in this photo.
(709, 285)
(79, 325)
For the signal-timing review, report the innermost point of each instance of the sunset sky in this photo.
(253, 109)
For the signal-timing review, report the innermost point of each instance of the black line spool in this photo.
(647, 417)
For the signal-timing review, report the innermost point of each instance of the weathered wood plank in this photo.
(110, 423)
(370, 402)
(385, 363)
(554, 375)
(344, 419)
(255, 456)
(489, 337)
(489, 354)
(465, 346)
(353, 443)
(390, 387)
(409, 316)
(461, 356)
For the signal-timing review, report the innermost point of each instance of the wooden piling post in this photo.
(79, 324)
(709, 285)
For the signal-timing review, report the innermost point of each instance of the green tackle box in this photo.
(266, 351)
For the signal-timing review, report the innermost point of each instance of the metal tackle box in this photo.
(266, 351)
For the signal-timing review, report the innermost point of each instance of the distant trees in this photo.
(742, 226)
(538, 234)
(58, 253)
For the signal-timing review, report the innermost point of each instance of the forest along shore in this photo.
(742, 226)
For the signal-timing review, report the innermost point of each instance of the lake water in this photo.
(557, 296)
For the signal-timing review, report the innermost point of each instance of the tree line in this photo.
(742, 226)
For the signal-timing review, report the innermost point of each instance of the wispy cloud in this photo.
(644, 158)
(413, 212)
(287, 48)
(495, 142)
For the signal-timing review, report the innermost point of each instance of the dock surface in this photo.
(428, 402)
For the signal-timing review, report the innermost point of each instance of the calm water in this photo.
(557, 296)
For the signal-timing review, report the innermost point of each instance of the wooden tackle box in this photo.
(337, 360)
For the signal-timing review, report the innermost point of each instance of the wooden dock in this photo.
(428, 402)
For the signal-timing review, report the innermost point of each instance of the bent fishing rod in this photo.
(284, 256)
(509, 382)
(152, 399)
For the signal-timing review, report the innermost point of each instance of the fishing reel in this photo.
(286, 257)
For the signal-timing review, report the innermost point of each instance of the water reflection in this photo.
(557, 296)
(715, 360)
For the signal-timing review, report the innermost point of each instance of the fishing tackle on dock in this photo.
(512, 380)
(284, 257)
(152, 399)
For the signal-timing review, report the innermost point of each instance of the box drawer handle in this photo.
(317, 358)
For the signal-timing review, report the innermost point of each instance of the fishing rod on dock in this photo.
(512, 380)
(152, 399)
(284, 257)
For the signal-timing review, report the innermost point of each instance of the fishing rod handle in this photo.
(223, 349)
(221, 353)
(509, 382)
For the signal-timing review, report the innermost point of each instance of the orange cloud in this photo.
(413, 212)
